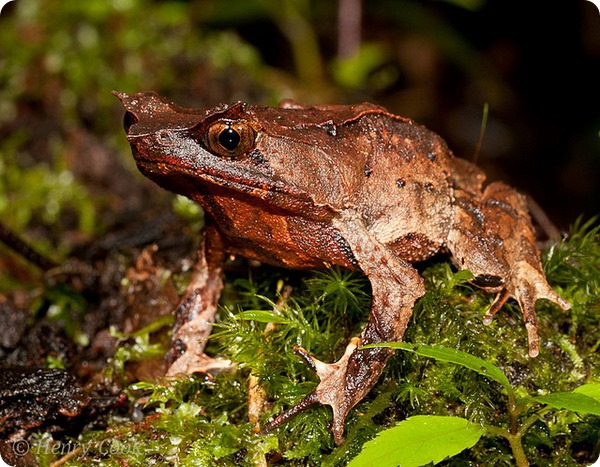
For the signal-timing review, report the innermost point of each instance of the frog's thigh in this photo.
(395, 283)
(506, 216)
(495, 240)
(477, 244)
(506, 213)
(493, 237)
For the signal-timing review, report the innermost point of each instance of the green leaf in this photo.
(458, 357)
(574, 401)
(262, 316)
(591, 390)
(418, 441)
(462, 276)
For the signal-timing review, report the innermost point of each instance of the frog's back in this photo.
(394, 172)
(407, 193)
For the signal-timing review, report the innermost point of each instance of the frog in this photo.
(306, 186)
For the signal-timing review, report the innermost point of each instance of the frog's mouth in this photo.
(185, 180)
(196, 184)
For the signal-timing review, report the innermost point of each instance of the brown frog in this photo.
(305, 187)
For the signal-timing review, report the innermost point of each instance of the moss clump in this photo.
(204, 421)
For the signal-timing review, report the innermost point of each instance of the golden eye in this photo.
(230, 139)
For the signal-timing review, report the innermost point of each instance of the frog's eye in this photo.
(230, 139)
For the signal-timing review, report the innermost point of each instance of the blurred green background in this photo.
(66, 173)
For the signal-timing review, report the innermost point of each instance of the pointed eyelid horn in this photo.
(147, 112)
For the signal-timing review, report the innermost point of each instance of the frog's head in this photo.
(193, 152)
(221, 130)
(182, 148)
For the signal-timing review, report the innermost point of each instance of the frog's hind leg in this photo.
(395, 286)
(494, 239)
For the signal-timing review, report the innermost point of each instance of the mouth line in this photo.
(208, 176)
(277, 195)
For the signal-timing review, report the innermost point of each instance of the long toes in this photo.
(555, 298)
(290, 413)
(495, 307)
(527, 291)
(331, 390)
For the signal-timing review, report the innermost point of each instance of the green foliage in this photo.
(39, 195)
(418, 441)
(572, 262)
(68, 47)
(339, 292)
(451, 434)
(67, 307)
(136, 346)
(303, 321)
(59, 62)
(577, 401)
(442, 354)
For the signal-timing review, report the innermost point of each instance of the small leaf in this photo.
(458, 357)
(591, 390)
(418, 441)
(262, 316)
(462, 276)
(574, 401)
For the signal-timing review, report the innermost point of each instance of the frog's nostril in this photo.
(129, 120)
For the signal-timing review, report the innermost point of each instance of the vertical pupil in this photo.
(229, 139)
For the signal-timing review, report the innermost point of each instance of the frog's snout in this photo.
(129, 119)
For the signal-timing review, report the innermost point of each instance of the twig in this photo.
(482, 128)
(15, 243)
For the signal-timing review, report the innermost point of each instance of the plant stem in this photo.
(514, 433)
(513, 413)
(514, 440)
(517, 449)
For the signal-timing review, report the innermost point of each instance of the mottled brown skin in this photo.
(314, 186)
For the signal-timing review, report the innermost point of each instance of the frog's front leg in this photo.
(395, 287)
(494, 239)
(196, 312)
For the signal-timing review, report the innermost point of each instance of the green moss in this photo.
(204, 420)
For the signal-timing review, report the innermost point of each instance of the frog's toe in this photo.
(527, 288)
(555, 298)
(190, 363)
(332, 390)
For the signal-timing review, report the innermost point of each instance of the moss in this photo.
(200, 420)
